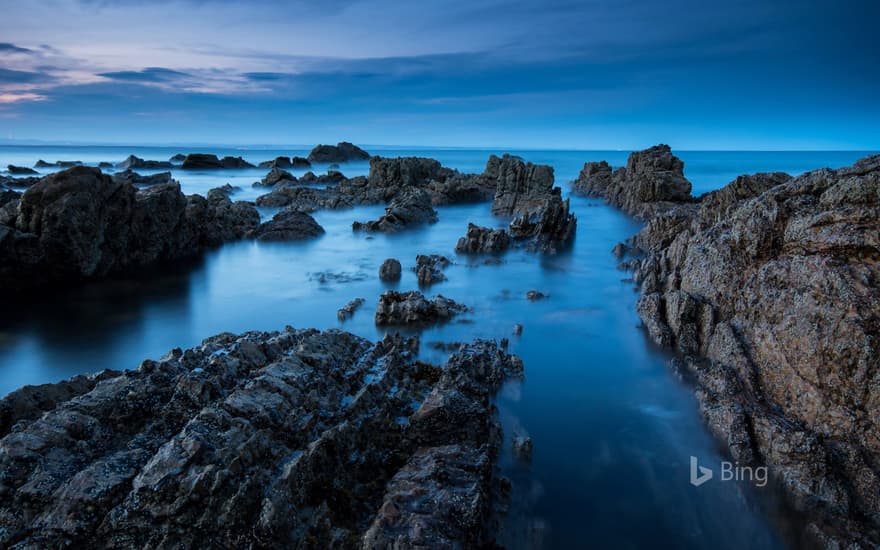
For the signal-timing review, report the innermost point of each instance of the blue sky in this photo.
(698, 74)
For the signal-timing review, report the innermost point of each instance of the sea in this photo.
(614, 427)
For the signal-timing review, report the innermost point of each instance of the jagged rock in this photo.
(404, 172)
(133, 178)
(520, 187)
(390, 270)
(20, 170)
(411, 308)
(202, 161)
(483, 240)
(652, 182)
(300, 162)
(278, 176)
(769, 289)
(347, 311)
(410, 208)
(535, 295)
(429, 269)
(278, 162)
(620, 250)
(79, 224)
(341, 152)
(136, 163)
(289, 225)
(548, 228)
(43, 164)
(297, 438)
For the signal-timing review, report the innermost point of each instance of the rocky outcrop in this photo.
(178, 158)
(57, 164)
(768, 288)
(202, 161)
(548, 227)
(19, 183)
(347, 311)
(390, 270)
(133, 178)
(300, 162)
(341, 152)
(278, 162)
(411, 208)
(483, 240)
(412, 308)
(80, 224)
(278, 176)
(297, 438)
(20, 170)
(289, 225)
(652, 182)
(519, 186)
(429, 269)
(136, 163)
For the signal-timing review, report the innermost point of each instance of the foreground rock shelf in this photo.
(769, 289)
(294, 438)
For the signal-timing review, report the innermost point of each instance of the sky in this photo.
(551, 74)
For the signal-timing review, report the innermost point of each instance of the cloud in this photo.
(6, 47)
(6, 98)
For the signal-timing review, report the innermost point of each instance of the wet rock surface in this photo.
(483, 240)
(20, 170)
(20, 183)
(390, 270)
(79, 224)
(411, 208)
(289, 225)
(412, 308)
(347, 311)
(133, 178)
(137, 163)
(429, 269)
(296, 438)
(277, 176)
(769, 289)
(203, 161)
(341, 152)
(520, 187)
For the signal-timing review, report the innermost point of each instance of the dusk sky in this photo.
(592, 74)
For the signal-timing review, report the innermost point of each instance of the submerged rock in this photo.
(57, 164)
(179, 157)
(289, 225)
(341, 152)
(429, 269)
(136, 163)
(390, 270)
(769, 290)
(20, 170)
(79, 224)
(483, 240)
(278, 162)
(412, 308)
(297, 438)
(522, 446)
(410, 208)
(347, 311)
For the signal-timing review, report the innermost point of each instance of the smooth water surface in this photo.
(613, 427)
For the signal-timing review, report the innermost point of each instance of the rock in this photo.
(548, 228)
(20, 170)
(278, 162)
(410, 208)
(300, 162)
(57, 164)
(522, 446)
(80, 224)
(135, 163)
(43, 164)
(341, 152)
(535, 295)
(619, 250)
(652, 182)
(19, 182)
(768, 289)
(133, 178)
(347, 311)
(278, 176)
(178, 158)
(296, 438)
(202, 161)
(390, 270)
(483, 240)
(289, 225)
(429, 269)
(105, 164)
(402, 172)
(520, 187)
(411, 308)
(517, 329)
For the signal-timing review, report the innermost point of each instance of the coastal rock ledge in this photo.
(769, 289)
(298, 438)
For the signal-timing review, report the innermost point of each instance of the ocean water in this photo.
(613, 426)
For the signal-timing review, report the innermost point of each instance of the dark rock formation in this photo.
(136, 163)
(519, 186)
(483, 240)
(522, 446)
(133, 178)
(411, 308)
(289, 225)
(652, 182)
(202, 161)
(278, 162)
(57, 164)
(20, 183)
(769, 289)
(43, 164)
(535, 295)
(548, 228)
(390, 270)
(20, 170)
(278, 176)
(178, 158)
(341, 152)
(429, 269)
(347, 311)
(300, 162)
(105, 164)
(80, 224)
(297, 438)
(412, 207)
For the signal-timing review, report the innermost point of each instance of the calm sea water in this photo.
(613, 427)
